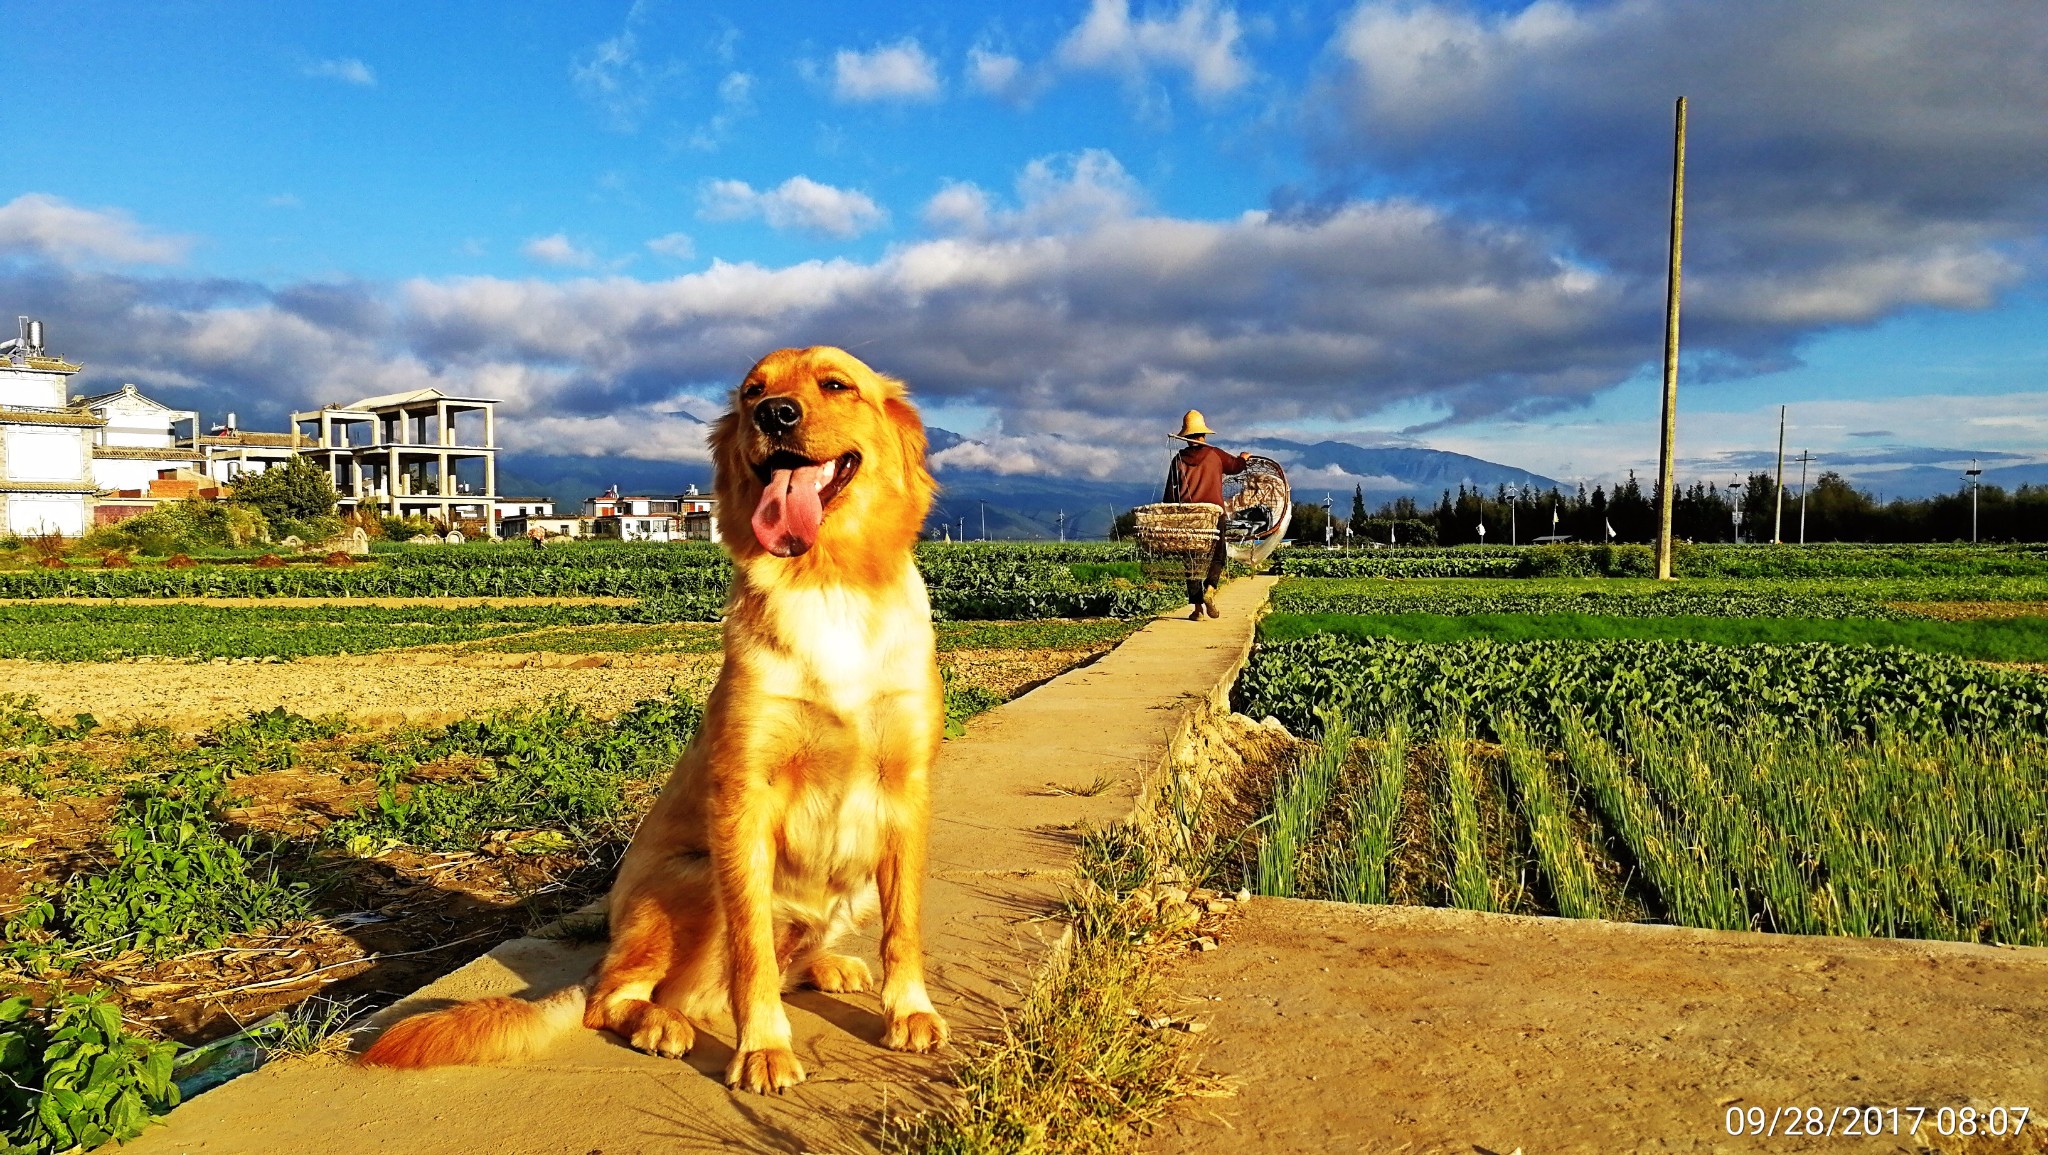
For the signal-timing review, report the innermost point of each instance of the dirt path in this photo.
(1421, 1030)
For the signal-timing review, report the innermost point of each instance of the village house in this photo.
(227, 453)
(643, 517)
(46, 443)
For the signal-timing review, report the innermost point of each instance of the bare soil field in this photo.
(385, 603)
(1384, 1029)
(423, 686)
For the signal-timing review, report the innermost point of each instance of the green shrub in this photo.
(183, 526)
(299, 490)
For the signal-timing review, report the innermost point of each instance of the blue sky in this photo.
(1426, 223)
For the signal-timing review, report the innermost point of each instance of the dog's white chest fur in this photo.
(841, 649)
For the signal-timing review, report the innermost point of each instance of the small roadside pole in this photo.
(1665, 483)
(1778, 519)
(1973, 473)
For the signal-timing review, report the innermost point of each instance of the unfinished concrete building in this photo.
(422, 453)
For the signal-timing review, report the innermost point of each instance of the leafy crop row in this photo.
(1706, 561)
(1933, 835)
(553, 768)
(688, 582)
(1815, 687)
(1312, 596)
(2000, 639)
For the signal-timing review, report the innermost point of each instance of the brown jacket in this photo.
(1197, 474)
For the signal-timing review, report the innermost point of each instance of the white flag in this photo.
(1553, 519)
(1482, 530)
(1610, 531)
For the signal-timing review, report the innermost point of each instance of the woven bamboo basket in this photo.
(1177, 539)
(1258, 506)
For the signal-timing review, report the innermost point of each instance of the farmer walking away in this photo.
(1196, 475)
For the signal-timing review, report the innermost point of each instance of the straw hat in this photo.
(1192, 425)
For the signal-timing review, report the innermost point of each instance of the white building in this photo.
(46, 480)
(139, 440)
(510, 507)
(226, 453)
(634, 527)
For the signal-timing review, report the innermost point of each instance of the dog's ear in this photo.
(724, 440)
(729, 478)
(917, 477)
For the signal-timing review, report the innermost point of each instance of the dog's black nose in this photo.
(778, 415)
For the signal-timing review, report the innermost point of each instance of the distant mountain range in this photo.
(1032, 506)
(1919, 481)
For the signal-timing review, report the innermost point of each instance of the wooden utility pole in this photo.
(1778, 519)
(1805, 455)
(1666, 483)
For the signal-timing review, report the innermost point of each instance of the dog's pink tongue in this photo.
(786, 521)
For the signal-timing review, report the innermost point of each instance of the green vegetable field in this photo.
(1846, 740)
(688, 581)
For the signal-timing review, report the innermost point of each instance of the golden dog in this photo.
(802, 804)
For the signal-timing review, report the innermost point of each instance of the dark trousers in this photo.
(1199, 587)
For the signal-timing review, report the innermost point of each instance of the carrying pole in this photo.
(1666, 485)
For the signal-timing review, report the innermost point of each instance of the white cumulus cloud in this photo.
(1004, 76)
(677, 245)
(1201, 39)
(557, 249)
(1839, 170)
(798, 203)
(38, 224)
(900, 71)
(346, 69)
(1065, 192)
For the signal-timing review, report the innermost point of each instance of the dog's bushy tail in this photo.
(485, 1031)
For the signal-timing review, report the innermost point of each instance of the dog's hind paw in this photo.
(917, 1031)
(840, 972)
(770, 1069)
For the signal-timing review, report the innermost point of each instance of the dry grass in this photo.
(1100, 785)
(1084, 1065)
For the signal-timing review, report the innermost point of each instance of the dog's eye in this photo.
(753, 391)
(834, 385)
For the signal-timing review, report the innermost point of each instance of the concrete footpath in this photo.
(1001, 845)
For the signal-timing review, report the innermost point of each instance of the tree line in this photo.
(1832, 510)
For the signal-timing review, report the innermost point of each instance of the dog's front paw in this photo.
(660, 1031)
(839, 972)
(917, 1031)
(770, 1069)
